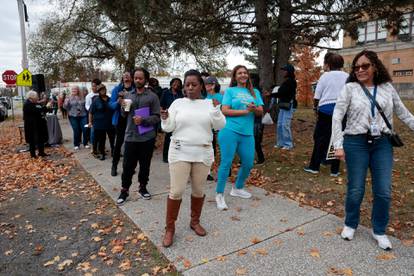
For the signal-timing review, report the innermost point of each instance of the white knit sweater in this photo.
(191, 123)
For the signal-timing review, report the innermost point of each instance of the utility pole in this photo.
(25, 62)
(20, 6)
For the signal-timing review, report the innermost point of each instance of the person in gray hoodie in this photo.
(142, 119)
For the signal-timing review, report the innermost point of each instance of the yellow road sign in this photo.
(24, 78)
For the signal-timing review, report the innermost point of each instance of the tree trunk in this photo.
(284, 39)
(264, 45)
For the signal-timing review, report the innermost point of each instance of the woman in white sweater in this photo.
(191, 121)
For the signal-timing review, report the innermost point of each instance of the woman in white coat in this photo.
(191, 121)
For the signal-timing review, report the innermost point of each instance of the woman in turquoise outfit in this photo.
(241, 103)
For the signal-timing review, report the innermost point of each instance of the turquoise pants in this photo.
(231, 142)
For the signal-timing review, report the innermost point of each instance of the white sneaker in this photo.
(87, 147)
(383, 241)
(76, 148)
(240, 193)
(221, 204)
(347, 233)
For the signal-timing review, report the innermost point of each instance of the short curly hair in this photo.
(381, 75)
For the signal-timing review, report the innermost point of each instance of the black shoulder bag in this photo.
(394, 138)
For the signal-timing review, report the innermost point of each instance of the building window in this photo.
(381, 30)
(395, 61)
(361, 33)
(372, 31)
(402, 73)
(376, 31)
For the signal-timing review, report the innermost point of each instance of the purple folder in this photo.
(143, 112)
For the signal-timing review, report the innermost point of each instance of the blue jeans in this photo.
(284, 133)
(78, 126)
(231, 142)
(378, 157)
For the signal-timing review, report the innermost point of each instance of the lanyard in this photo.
(373, 102)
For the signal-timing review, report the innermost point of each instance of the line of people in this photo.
(194, 118)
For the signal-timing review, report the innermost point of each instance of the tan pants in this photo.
(179, 174)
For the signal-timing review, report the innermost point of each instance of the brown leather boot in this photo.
(173, 207)
(196, 207)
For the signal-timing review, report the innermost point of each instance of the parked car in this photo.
(6, 101)
(4, 113)
(18, 98)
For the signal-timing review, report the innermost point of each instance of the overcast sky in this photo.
(10, 42)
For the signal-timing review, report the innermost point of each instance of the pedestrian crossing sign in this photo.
(24, 78)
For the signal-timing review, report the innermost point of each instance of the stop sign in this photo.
(9, 77)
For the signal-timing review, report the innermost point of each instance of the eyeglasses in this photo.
(364, 67)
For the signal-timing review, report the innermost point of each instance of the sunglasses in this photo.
(364, 67)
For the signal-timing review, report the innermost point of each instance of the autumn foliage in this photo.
(308, 72)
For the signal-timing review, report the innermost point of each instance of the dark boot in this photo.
(196, 207)
(113, 169)
(173, 207)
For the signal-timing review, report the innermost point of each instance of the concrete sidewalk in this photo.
(265, 235)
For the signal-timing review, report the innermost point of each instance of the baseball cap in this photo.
(289, 68)
(211, 80)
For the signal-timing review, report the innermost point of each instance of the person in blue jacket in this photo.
(167, 98)
(100, 115)
(118, 93)
(241, 104)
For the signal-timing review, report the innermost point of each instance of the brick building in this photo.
(395, 51)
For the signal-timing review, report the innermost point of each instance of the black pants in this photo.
(321, 137)
(120, 136)
(167, 141)
(99, 139)
(40, 147)
(137, 152)
(258, 138)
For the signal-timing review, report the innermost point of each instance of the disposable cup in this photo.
(127, 105)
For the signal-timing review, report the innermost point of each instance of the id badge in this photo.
(374, 129)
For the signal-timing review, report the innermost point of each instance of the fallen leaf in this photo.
(95, 225)
(125, 265)
(261, 251)
(84, 266)
(386, 256)
(338, 271)
(38, 250)
(255, 240)
(314, 252)
(64, 264)
(75, 254)
(83, 220)
(97, 239)
(204, 260)
(330, 203)
(118, 230)
(300, 232)
(117, 249)
(221, 258)
(241, 271)
(242, 252)
(407, 243)
(327, 234)
(48, 263)
(235, 218)
(63, 238)
(8, 253)
(186, 263)
(189, 238)
(278, 242)
(155, 270)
